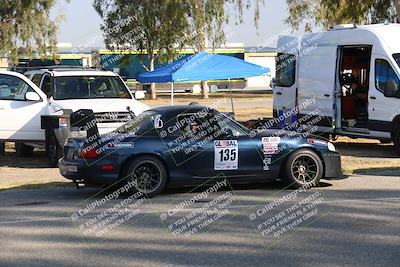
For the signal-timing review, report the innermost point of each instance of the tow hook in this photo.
(77, 184)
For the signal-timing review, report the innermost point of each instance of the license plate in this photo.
(72, 168)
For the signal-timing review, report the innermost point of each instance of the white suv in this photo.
(23, 103)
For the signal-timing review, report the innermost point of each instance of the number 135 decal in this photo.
(225, 155)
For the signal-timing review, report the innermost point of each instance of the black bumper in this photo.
(89, 172)
(333, 165)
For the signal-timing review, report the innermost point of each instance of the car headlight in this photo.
(331, 147)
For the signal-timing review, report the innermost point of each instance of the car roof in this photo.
(83, 73)
(182, 109)
(70, 71)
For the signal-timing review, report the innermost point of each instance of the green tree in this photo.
(207, 19)
(327, 13)
(26, 24)
(151, 26)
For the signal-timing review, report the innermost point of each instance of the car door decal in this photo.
(226, 155)
(270, 145)
(266, 163)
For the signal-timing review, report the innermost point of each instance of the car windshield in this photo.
(397, 58)
(13, 88)
(83, 87)
(139, 123)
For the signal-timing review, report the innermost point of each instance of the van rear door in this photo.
(285, 84)
(316, 83)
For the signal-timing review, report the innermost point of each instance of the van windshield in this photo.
(397, 58)
(84, 87)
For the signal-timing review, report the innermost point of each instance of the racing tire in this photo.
(148, 175)
(53, 149)
(303, 168)
(2, 149)
(23, 150)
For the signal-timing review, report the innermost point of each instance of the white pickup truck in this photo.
(26, 100)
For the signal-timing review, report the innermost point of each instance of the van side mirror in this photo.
(32, 96)
(390, 88)
(139, 95)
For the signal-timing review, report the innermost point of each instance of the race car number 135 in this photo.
(225, 155)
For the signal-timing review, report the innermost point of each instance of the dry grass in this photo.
(367, 157)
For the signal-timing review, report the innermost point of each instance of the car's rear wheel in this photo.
(23, 150)
(303, 168)
(148, 175)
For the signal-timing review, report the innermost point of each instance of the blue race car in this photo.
(188, 145)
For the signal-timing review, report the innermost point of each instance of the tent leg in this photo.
(172, 94)
(230, 93)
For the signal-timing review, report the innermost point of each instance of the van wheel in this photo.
(23, 150)
(396, 139)
(53, 149)
(303, 168)
(2, 149)
(148, 175)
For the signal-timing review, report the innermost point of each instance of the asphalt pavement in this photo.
(349, 222)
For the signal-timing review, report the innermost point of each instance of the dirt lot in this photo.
(246, 106)
(359, 155)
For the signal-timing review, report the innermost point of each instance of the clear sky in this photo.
(81, 24)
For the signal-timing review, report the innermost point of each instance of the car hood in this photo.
(100, 105)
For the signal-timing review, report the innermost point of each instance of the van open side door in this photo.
(285, 84)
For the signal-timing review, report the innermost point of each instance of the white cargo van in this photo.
(350, 73)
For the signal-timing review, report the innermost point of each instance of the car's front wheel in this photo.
(2, 148)
(53, 149)
(303, 168)
(148, 174)
(23, 150)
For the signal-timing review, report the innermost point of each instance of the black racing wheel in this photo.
(148, 174)
(303, 168)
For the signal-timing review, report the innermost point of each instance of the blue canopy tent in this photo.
(202, 67)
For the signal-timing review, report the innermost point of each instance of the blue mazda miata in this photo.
(189, 145)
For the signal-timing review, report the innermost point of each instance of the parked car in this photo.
(188, 145)
(26, 100)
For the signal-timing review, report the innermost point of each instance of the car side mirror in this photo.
(32, 96)
(227, 132)
(139, 95)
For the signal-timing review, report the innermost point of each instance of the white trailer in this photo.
(350, 73)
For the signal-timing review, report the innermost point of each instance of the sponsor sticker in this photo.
(267, 163)
(316, 142)
(270, 144)
(226, 155)
(124, 145)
